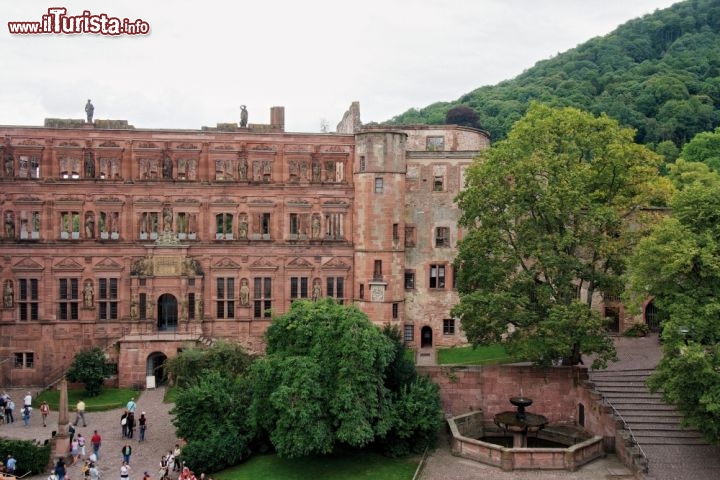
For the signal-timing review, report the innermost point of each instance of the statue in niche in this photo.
(167, 167)
(88, 295)
(316, 171)
(167, 219)
(9, 164)
(8, 295)
(242, 169)
(316, 290)
(89, 165)
(315, 226)
(89, 111)
(9, 225)
(90, 225)
(243, 116)
(243, 227)
(244, 293)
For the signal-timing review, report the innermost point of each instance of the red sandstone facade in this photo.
(144, 242)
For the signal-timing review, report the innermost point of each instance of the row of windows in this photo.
(71, 298)
(105, 225)
(437, 277)
(448, 329)
(166, 168)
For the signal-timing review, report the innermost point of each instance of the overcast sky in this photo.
(203, 59)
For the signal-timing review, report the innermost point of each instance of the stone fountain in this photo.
(520, 422)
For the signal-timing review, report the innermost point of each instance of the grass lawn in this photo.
(345, 466)
(482, 355)
(108, 399)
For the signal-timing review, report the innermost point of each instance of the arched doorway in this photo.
(426, 339)
(167, 312)
(653, 317)
(155, 367)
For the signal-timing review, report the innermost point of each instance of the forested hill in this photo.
(659, 74)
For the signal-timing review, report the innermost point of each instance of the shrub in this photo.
(637, 330)
(31, 457)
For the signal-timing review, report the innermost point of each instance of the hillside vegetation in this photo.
(659, 74)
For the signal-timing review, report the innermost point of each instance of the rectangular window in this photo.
(294, 224)
(362, 163)
(453, 272)
(395, 232)
(409, 280)
(437, 276)
(191, 306)
(225, 297)
(433, 144)
(378, 185)
(142, 306)
(335, 288)
(408, 333)
(377, 270)
(409, 236)
(24, 360)
(262, 297)
(108, 299)
(69, 299)
(266, 225)
(395, 308)
(362, 291)
(28, 299)
(438, 183)
(69, 225)
(149, 224)
(224, 226)
(334, 226)
(442, 236)
(298, 287)
(449, 326)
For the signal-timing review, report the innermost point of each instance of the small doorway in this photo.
(426, 339)
(155, 367)
(653, 317)
(167, 312)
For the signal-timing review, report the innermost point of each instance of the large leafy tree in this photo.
(552, 211)
(326, 382)
(678, 266)
(89, 367)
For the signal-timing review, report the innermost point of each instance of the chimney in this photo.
(277, 118)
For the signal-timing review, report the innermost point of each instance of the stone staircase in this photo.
(672, 451)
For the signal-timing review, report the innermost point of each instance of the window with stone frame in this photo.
(29, 225)
(142, 306)
(29, 166)
(70, 168)
(439, 178)
(149, 225)
(225, 297)
(335, 288)
(442, 236)
(395, 232)
(334, 226)
(299, 287)
(434, 143)
(182, 224)
(69, 225)
(109, 225)
(437, 276)
(262, 297)
(68, 299)
(378, 185)
(409, 279)
(191, 306)
(408, 333)
(107, 300)
(24, 360)
(28, 299)
(395, 310)
(294, 223)
(224, 226)
(449, 326)
(377, 270)
(410, 236)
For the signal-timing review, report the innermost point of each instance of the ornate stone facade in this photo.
(144, 242)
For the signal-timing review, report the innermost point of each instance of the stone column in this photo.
(61, 441)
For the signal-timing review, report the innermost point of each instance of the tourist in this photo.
(124, 471)
(81, 445)
(71, 432)
(27, 400)
(80, 412)
(130, 424)
(94, 472)
(96, 442)
(176, 458)
(85, 469)
(10, 465)
(74, 450)
(9, 407)
(26, 415)
(44, 412)
(142, 422)
(170, 461)
(60, 469)
(131, 405)
(126, 452)
(123, 423)
(146, 476)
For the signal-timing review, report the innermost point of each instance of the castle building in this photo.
(147, 241)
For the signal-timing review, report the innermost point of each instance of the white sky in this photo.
(202, 60)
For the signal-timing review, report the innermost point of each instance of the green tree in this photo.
(462, 115)
(549, 213)
(89, 367)
(705, 148)
(323, 383)
(230, 359)
(678, 265)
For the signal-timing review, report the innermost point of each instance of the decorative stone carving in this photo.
(9, 224)
(244, 293)
(8, 294)
(88, 295)
(316, 290)
(315, 226)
